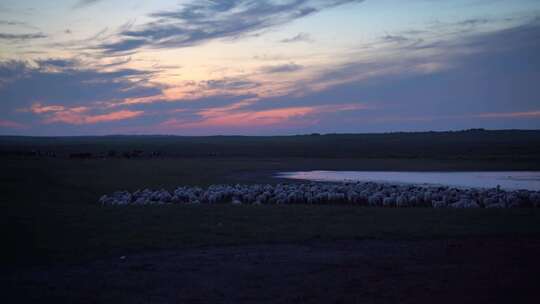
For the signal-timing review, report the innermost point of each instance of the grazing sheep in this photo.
(389, 201)
(465, 203)
(376, 199)
(369, 193)
(401, 201)
(535, 199)
(438, 204)
(105, 200)
(496, 205)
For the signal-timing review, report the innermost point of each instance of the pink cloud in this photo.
(37, 108)
(11, 124)
(231, 116)
(241, 119)
(531, 114)
(78, 115)
(258, 118)
(510, 115)
(77, 118)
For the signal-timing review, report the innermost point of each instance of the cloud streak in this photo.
(22, 37)
(11, 124)
(281, 117)
(79, 115)
(85, 3)
(301, 37)
(200, 21)
(284, 68)
(74, 117)
(517, 115)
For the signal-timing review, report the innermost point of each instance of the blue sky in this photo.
(267, 67)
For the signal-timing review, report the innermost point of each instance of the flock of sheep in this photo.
(363, 194)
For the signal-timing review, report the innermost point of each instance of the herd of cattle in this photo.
(362, 194)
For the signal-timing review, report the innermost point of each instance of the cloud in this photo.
(280, 117)
(11, 124)
(11, 23)
(37, 108)
(467, 80)
(301, 37)
(21, 37)
(64, 81)
(123, 46)
(56, 63)
(481, 80)
(61, 90)
(473, 22)
(17, 24)
(11, 70)
(199, 21)
(244, 119)
(418, 57)
(395, 38)
(85, 3)
(229, 84)
(79, 115)
(75, 117)
(284, 68)
(530, 114)
(489, 75)
(498, 116)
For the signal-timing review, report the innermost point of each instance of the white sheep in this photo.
(369, 193)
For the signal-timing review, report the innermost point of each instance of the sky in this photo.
(267, 67)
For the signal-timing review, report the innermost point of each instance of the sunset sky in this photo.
(267, 67)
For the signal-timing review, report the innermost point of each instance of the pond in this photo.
(509, 180)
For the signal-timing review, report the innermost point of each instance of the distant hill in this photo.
(469, 144)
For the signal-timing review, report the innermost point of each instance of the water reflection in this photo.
(510, 180)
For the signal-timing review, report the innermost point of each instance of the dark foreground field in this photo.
(471, 270)
(60, 247)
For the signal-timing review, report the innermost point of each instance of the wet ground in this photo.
(479, 270)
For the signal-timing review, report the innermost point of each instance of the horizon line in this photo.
(276, 135)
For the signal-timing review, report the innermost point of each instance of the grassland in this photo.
(511, 145)
(50, 212)
(50, 218)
